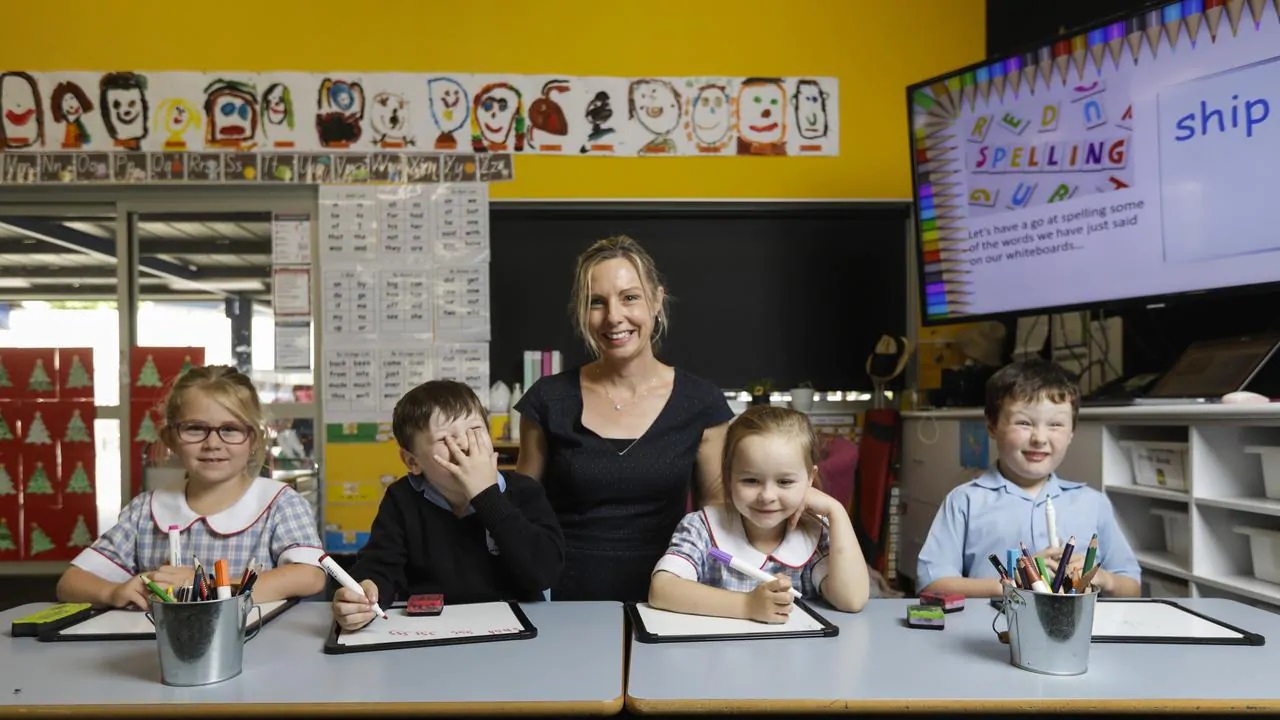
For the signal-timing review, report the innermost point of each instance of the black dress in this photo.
(618, 502)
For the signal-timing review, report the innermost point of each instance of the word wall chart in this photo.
(404, 288)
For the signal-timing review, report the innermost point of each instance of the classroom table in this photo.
(878, 664)
(573, 667)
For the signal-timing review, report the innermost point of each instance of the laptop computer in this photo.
(1209, 369)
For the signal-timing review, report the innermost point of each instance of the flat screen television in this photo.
(1132, 161)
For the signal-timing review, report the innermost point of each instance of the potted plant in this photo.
(802, 397)
(760, 390)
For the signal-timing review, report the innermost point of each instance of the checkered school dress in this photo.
(271, 524)
(802, 554)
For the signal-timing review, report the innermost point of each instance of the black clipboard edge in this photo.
(57, 636)
(1246, 637)
(644, 636)
(331, 646)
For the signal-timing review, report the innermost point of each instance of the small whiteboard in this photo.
(659, 626)
(134, 625)
(1163, 621)
(456, 624)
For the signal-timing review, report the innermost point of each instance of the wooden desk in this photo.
(573, 667)
(877, 664)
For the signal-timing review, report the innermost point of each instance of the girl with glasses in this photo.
(223, 510)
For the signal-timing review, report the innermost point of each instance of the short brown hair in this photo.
(769, 420)
(231, 389)
(1030, 381)
(414, 411)
(618, 246)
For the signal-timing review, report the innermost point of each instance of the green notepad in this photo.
(51, 619)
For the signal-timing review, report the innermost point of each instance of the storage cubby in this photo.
(1197, 533)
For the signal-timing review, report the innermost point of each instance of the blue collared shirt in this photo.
(991, 515)
(419, 483)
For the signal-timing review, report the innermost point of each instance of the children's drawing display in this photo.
(282, 127)
(1131, 160)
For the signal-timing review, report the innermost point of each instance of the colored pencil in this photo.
(1133, 28)
(1115, 42)
(1062, 58)
(1234, 9)
(1044, 61)
(1171, 16)
(1153, 28)
(1192, 15)
(1079, 52)
(1255, 9)
(1213, 16)
(1029, 70)
(1097, 46)
(998, 79)
(1013, 71)
(968, 87)
(1091, 554)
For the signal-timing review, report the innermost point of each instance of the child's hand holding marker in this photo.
(351, 610)
(771, 601)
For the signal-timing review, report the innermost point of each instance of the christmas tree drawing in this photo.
(39, 483)
(4, 375)
(77, 431)
(40, 542)
(80, 536)
(186, 365)
(6, 482)
(5, 432)
(149, 375)
(40, 380)
(39, 432)
(79, 482)
(147, 432)
(78, 375)
(6, 536)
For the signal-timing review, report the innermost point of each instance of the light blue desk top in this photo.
(878, 664)
(573, 667)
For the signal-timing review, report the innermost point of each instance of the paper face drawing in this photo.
(599, 115)
(21, 113)
(450, 110)
(231, 114)
(276, 113)
(340, 111)
(655, 104)
(389, 120)
(710, 117)
(123, 103)
(762, 117)
(497, 116)
(547, 117)
(810, 103)
(69, 105)
(174, 117)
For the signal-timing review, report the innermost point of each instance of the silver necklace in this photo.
(628, 448)
(617, 406)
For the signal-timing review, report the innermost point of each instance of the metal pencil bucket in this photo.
(1049, 633)
(202, 643)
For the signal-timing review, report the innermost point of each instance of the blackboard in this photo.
(789, 291)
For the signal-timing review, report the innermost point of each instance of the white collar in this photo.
(169, 507)
(728, 534)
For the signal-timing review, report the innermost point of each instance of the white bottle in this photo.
(513, 415)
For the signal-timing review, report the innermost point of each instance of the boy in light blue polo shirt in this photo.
(1031, 414)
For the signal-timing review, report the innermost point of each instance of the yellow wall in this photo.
(875, 47)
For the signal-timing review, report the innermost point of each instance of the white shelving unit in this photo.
(1223, 477)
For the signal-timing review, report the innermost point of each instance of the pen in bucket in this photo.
(200, 584)
(244, 577)
(1063, 561)
(247, 586)
(222, 579)
(1091, 555)
(995, 562)
(175, 546)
